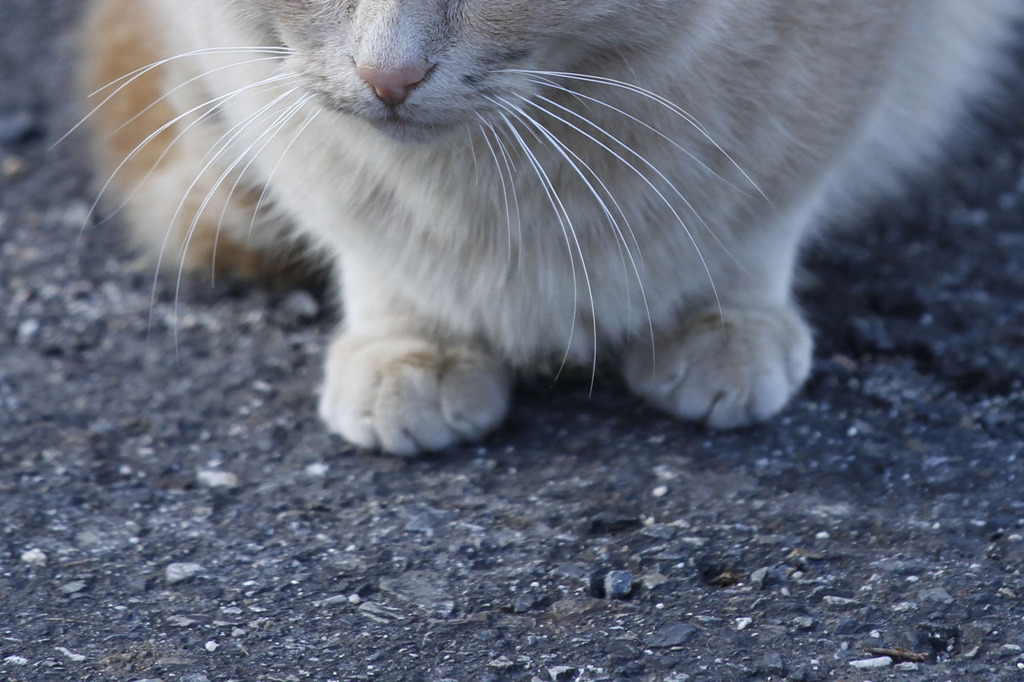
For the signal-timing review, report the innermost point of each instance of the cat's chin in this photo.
(403, 130)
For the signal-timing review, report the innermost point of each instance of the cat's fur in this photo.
(665, 235)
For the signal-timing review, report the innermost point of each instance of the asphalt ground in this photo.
(171, 509)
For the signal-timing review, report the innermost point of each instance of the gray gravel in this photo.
(170, 508)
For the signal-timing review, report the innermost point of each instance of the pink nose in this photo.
(392, 86)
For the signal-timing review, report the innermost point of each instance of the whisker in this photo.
(284, 119)
(247, 153)
(222, 148)
(212, 104)
(130, 77)
(504, 187)
(188, 82)
(510, 168)
(282, 51)
(641, 158)
(266, 186)
(576, 162)
(594, 174)
(668, 104)
(647, 181)
(580, 96)
(567, 230)
(646, 162)
(472, 153)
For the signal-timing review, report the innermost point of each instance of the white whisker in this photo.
(238, 129)
(247, 153)
(266, 186)
(648, 182)
(510, 168)
(580, 96)
(170, 92)
(211, 104)
(130, 77)
(565, 220)
(504, 186)
(575, 163)
(282, 121)
(654, 97)
(472, 153)
(639, 157)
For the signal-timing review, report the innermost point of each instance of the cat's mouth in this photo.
(405, 128)
(395, 122)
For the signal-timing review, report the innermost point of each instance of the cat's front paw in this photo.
(405, 394)
(726, 369)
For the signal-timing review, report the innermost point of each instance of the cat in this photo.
(502, 184)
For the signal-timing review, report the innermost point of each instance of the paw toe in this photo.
(728, 369)
(406, 396)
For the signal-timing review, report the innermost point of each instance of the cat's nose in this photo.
(392, 86)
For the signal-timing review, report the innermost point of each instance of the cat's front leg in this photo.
(405, 394)
(726, 368)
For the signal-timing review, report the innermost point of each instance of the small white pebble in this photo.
(872, 663)
(743, 623)
(73, 587)
(355, 599)
(212, 646)
(560, 671)
(217, 479)
(71, 655)
(27, 329)
(16, 660)
(660, 491)
(823, 535)
(317, 470)
(180, 572)
(34, 557)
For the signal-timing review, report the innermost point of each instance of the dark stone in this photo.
(607, 523)
(673, 635)
(523, 603)
(846, 626)
(623, 649)
(424, 590)
(772, 664)
(618, 584)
